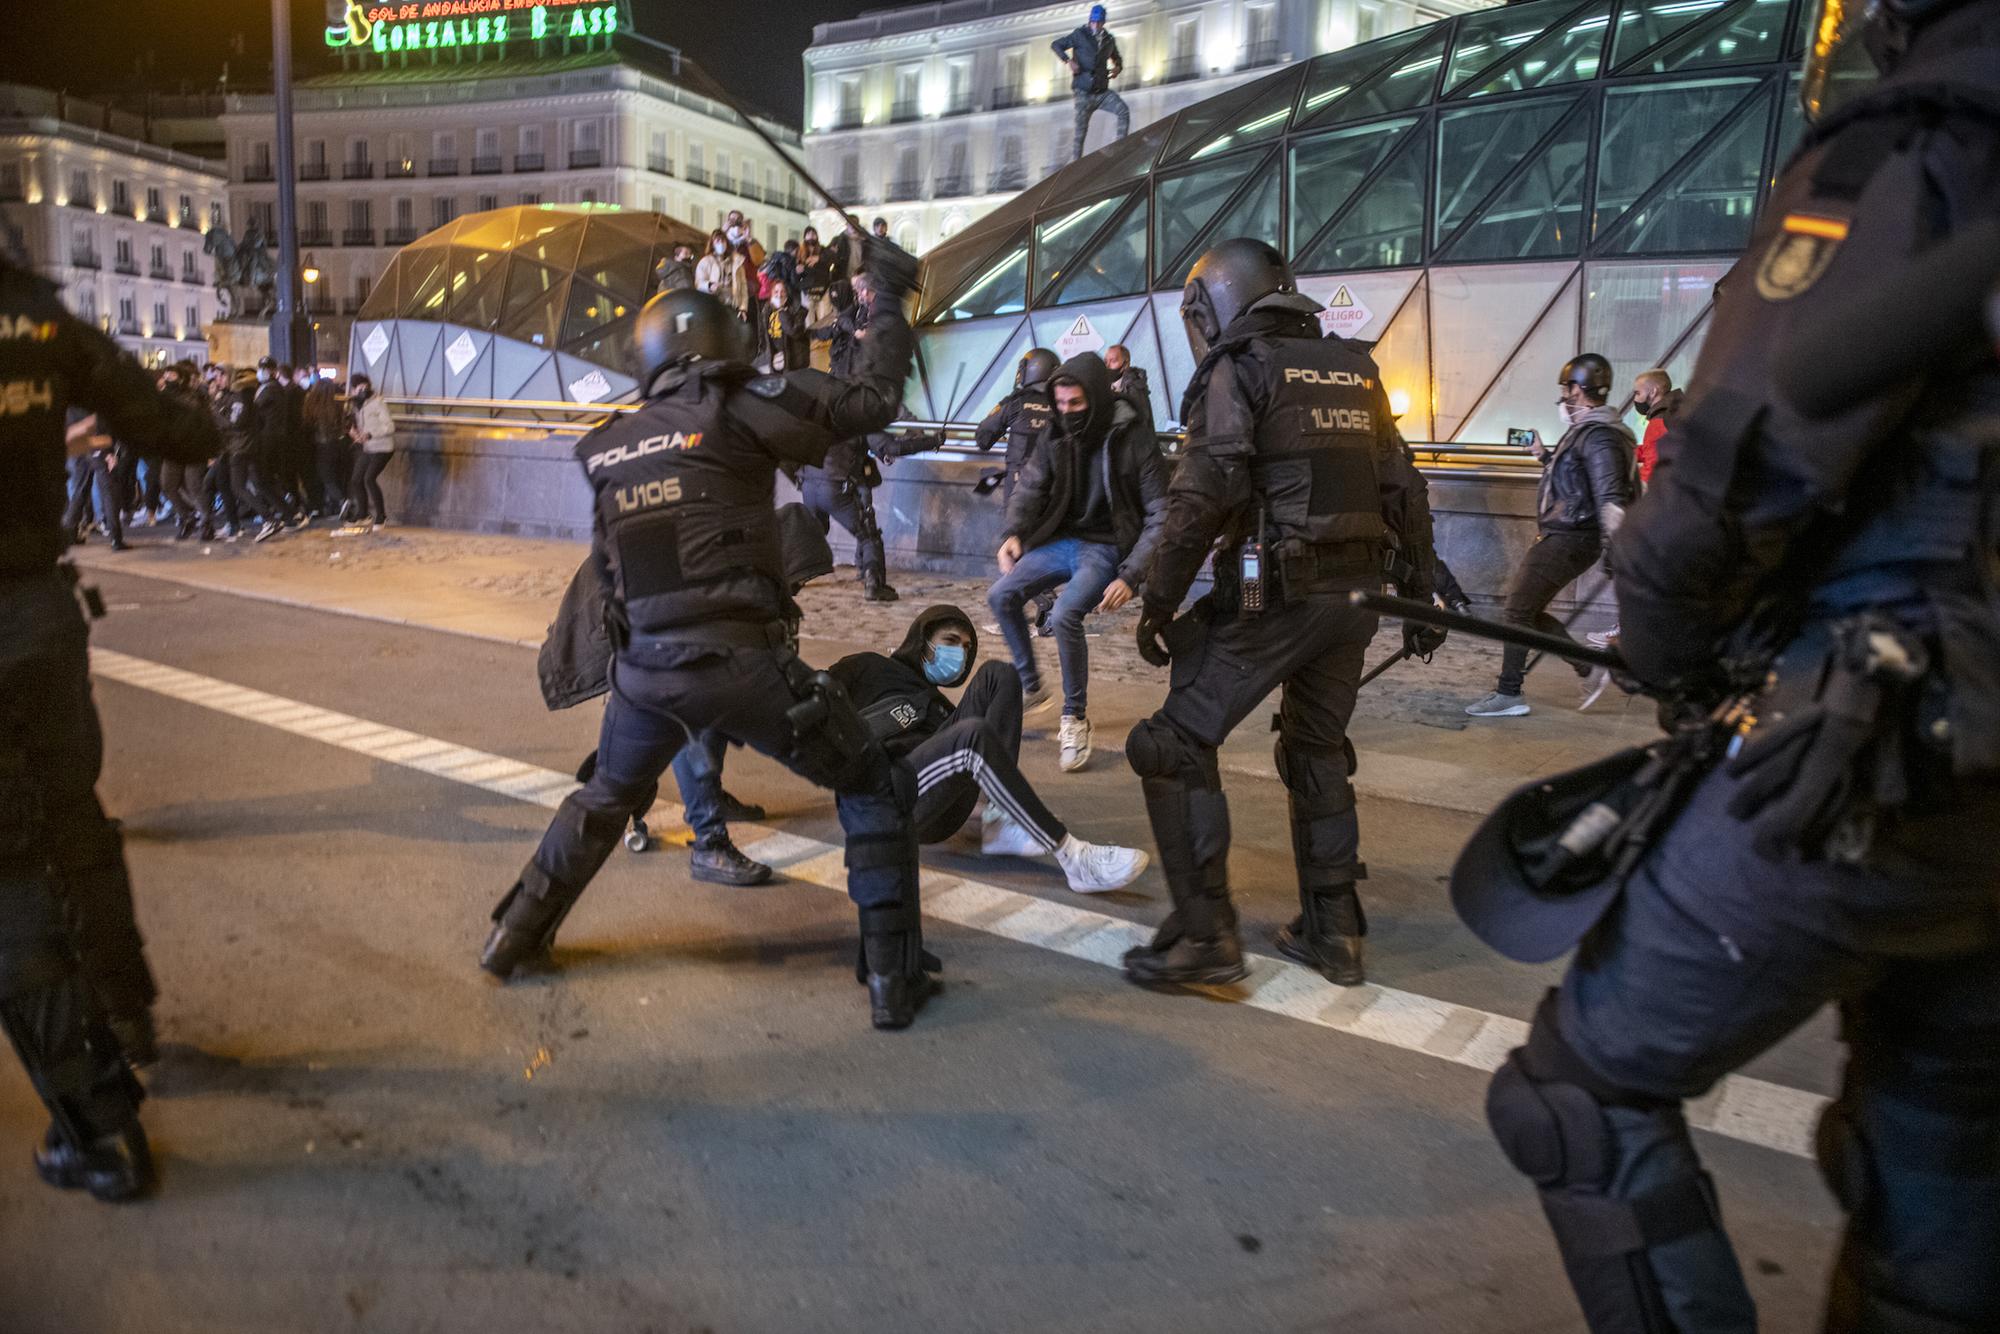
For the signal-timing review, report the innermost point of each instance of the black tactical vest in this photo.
(1033, 411)
(684, 510)
(1314, 468)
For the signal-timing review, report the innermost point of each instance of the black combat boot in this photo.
(1196, 946)
(1326, 935)
(136, 1037)
(720, 862)
(895, 966)
(113, 1168)
(524, 932)
(876, 589)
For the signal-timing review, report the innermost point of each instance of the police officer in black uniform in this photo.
(1292, 460)
(59, 855)
(841, 489)
(687, 545)
(1844, 849)
(1023, 415)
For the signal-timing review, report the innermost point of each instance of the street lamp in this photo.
(291, 331)
(309, 271)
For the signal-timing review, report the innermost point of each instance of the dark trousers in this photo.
(698, 775)
(96, 480)
(1714, 953)
(181, 486)
(845, 501)
(740, 694)
(979, 751)
(330, 458)
(365, 489)
(147, 480)
(1549, 565)
(249, 490)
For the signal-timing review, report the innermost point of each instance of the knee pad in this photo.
(1315, 776)
(1156, 749)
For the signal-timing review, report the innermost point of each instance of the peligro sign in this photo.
(434, 25)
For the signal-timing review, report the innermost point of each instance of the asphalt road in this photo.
(691, 1127)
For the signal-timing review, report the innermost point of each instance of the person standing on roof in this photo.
(1094, 61)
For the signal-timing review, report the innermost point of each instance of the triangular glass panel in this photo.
(977, 398)
(550, 238)
(539, 320)
(493, 230)
(513, 363)
(357, 356)
(542, 384)
(998, 286)
(1116, 266)
(611, 346)
(1803, 12)
(432, 296)
(430, 382)
(526, 284)
(1709, 206)
(1328, 168)
(1644, 24)
(590, 308)
(1061, 236)
(1384, 228)
(1645, 136)
(1189, 202)
(1749, 32)
(1680, 366)
(1479, 146)
(1404, 86)
(1142, 340)
(1259, 120)
(1201, 122)
(587, 382)
(381, 302)
(420, 275)
(1378, 295)
(959, 356)
(1176, 358)
(388, 374)
(947, 265)
(1488, 36)
(1104, 323)
(469, 268)
(1572, 51)
(1482, 313)
(1253, 215)
(1540, 214)
(1522, 394)
(476, 379)
(479, 307)
(614, 259)
(1791, 125)
(1404, 354)
(1333, 76)
(1128, 159)
(1634, 312)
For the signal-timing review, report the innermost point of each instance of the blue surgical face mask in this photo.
(944, 664)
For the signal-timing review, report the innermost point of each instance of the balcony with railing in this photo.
(352, 305)
(126, 266)
(796, 201)
(399, 235)
(581, 159)
(846, 118)
(697, 175)
(901, 113)
(358, 236)
(259, 173)
(316, 236)
(1181, 69)
(659, 164)
(189, 222)
(85, 259)
(402, 169)
(1259, 54)
(958, 105)
(952, 187)
(315, 171)
(86, 201)
(1004, 179)
(1008, 96)
(748, 192)
(528, 162)
(357, 170)
(163, 273)
(442, 166)
(190, 275)
(487, 164)
(130, 328)
(904, 190)
(13, 194)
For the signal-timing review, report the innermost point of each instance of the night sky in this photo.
(88, 46)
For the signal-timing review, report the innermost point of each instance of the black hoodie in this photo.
(894, 697)
(1049, 485)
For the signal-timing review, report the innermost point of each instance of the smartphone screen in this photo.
(1520, 438)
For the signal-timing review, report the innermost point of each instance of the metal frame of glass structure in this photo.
(1483, 196)
(536, 302)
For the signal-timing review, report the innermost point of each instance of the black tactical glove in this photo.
(1154, 618)
(1420, 640)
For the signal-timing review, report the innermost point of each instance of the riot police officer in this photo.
(1294, 462)
(687, 546)
(1843, 850)
(59, 855)
(1023, 415)
(841, 489)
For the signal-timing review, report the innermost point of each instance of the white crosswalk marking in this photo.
(1751, 1110)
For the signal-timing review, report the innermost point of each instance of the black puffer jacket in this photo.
(894, 697)
(1591, 478)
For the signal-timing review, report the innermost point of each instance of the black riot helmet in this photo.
(1230, 278)
(687, 325)
(1037, 365)
(1588, 372)
(1852, 43)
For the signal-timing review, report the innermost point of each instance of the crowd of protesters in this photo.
(295, 449)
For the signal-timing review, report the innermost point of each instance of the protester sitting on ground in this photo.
(972, 749)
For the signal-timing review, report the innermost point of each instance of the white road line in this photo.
(1739, 1108)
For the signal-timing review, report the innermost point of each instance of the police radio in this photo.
(1250, 597)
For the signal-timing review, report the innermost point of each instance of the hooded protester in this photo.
(1086, 513)
(965, 750)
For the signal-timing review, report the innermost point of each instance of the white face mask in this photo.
(735, 234)
(721, 247)
(263, 377)
(1569, 414)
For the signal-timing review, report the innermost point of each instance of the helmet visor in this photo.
(1837, 62)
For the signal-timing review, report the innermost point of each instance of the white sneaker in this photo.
(1602, 638)
(1593, 686)
(1097, 868)
(1497, 705)
(270, 530)
(1000, 836)
(1034, 701)
(1073, 734)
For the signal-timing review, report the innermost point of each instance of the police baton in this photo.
(1425, 614)
(1384, 666)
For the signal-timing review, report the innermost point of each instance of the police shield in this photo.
(1532, 880)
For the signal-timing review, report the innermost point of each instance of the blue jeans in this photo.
(1087, 568)
(698, 774)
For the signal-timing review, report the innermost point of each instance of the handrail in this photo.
(1476, 461)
